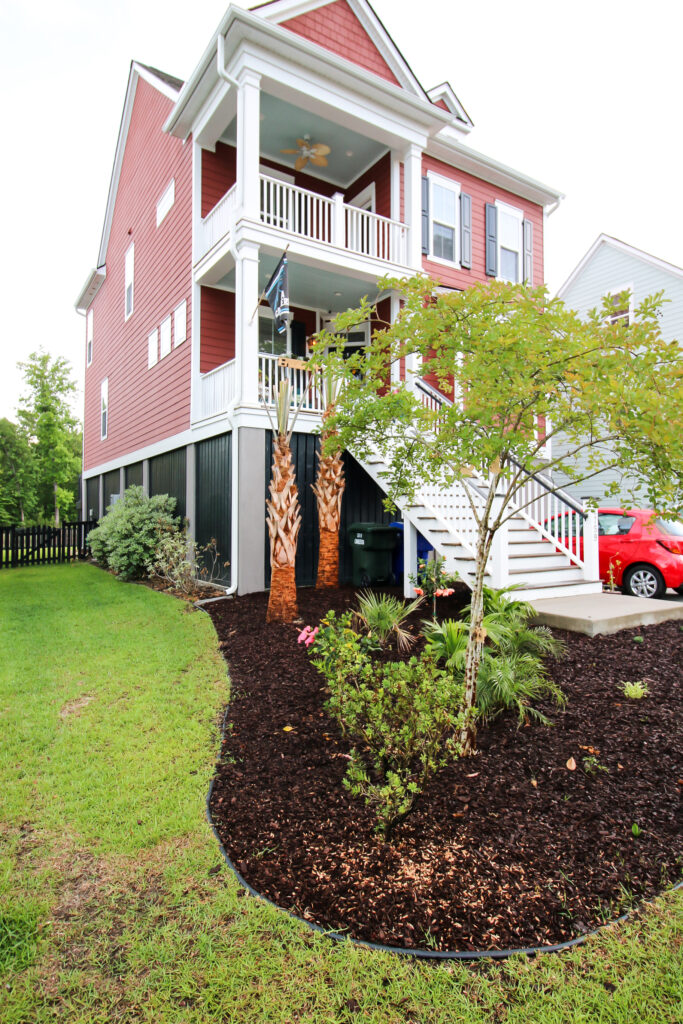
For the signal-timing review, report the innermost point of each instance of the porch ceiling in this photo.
(310, 286)
(283, 123)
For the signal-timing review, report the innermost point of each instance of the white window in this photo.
(104, 407)
(621, 303)
(180, 324)
(165, 337)
(130, 273)
(153, 348)
(510, 243)
(89, 337)
(444, 200)
(270, 341)
(166, 201)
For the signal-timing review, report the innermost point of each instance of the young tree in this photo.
(284, 517)
(513, 358)
(18, 502)
(52, 431)
(329, 486)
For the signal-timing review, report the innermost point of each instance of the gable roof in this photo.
(279, 12)
(629, 250)
(167, 85)
(443, 96)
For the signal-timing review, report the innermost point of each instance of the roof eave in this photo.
(92, 285)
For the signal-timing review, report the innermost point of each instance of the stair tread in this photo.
(559, 583)
(547, 568)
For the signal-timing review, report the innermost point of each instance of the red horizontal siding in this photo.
(336, 28)
(380, 174)
(481, 192)
(145, 405)
(219, 174)
(217, 332)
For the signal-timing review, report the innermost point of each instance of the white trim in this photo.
(93, 283)
(166, 201)
(104, 409)
(445, 92)
(452, 186)
(180, 323)
(365, 196)
(165, 345)
(129, 281)
(274, 172)
(629, 250)
(511, 211)
(88, 337)
(631, 307)
(152, 348)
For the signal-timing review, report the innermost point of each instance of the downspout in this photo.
(232, 589)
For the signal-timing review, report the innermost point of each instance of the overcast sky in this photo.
(584, 96)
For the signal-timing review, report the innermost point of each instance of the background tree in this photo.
(52, 431)
(18, 500)
(512, 357)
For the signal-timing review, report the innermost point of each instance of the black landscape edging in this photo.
(420, 954)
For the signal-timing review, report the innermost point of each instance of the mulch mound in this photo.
(509, 848)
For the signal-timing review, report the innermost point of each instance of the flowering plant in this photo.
(433, 580)
(307, 636)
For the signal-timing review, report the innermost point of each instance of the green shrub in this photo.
(511, 674)
(126, 538)
(182, 563)
(401, 718)
(383, 615)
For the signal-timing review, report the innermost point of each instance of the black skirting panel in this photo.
(167, 475)
(92, 498)
(134, 475)
(213, 496)
(112, 485)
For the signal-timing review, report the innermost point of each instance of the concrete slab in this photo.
(604, 613)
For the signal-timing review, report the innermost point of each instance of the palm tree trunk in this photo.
(284, 521)
(329, 490)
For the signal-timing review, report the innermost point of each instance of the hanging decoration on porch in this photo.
(316, 153)
(277, 294)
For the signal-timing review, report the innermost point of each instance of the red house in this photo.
(301, 127)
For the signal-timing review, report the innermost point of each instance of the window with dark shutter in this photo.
(425, 216)
(491, 240)
(465, 231)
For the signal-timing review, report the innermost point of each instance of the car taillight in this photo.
(675, 547)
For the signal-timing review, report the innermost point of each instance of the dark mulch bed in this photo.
(505, 849)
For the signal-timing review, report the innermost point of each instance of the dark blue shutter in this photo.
(528, 252)
(465, 231)
(491, 240)
(425, 216)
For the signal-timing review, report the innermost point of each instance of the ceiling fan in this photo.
(316, 153)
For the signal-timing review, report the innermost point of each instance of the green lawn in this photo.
(110, 696)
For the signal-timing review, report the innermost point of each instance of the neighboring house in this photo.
(212, 180)
(611, 268)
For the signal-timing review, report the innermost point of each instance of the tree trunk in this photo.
(328, 559)
(475, 646)
(329, 490)
(284, 520)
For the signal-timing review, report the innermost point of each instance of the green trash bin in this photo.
(372, 545)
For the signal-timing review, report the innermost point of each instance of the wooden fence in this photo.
(43, 545)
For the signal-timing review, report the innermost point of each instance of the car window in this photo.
(563, 526)
(611, 524)
(671, 526)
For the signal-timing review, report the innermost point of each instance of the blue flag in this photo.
(277, 293)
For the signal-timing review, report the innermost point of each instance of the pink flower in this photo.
(448, 592)
(311, 637)
(419, 591)
(303, 635)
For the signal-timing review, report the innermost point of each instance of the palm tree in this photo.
(329, 490)
(284, 516)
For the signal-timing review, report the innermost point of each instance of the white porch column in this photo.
(338, 222)
(409, 557)
(248, 144)
(395, 307)
(395, 185)
(246, 322)
(590, 545)
(500, 552)
(413, 202)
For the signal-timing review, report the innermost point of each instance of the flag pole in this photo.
(263, 293)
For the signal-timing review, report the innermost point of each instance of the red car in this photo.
(639, 553)
(642, 554)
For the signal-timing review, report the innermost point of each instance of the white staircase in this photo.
(525, 552)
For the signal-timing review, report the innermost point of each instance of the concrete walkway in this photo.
(606, 613)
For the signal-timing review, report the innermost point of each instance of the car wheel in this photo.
(679, 590)
(644, 581)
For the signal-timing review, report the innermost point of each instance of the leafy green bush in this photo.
(126, 538)
(433, 580)
(383, 615)
(401, 718)
(511, 674)
(182, 563)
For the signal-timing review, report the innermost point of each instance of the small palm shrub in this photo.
(382, 616)
(401, 718)
(512, 675)
(128, 535)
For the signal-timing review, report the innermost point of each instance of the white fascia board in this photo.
(136, 72)
(240, 25)
(453, 152)
(628, 250)
(445, 92)
(285, 10)
(93, 283)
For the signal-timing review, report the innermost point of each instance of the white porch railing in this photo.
(217, 223)
(305, 394)
(289, 208)
(376, 236)
(216, 390)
